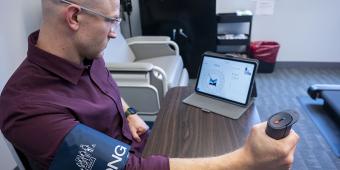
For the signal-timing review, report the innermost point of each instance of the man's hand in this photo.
(137, 126)
(264, 152)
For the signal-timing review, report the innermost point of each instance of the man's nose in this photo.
(112, 34)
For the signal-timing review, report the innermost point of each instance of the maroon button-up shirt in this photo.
(47, 96)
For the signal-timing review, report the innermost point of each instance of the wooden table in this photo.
(181, 130)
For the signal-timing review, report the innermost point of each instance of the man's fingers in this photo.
(136, 136)
(292, 139)
(139, 132)
(291, 155)
(142, 130)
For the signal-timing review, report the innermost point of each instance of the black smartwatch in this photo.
(130, 111)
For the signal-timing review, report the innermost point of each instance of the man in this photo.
(63, 82)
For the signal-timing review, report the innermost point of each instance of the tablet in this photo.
(226, 78)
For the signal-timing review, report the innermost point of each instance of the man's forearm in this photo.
(232, 161)
(259, 152)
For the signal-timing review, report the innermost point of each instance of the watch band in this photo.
(130, 111)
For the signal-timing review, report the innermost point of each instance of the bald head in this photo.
(47, 4)
(51, 7)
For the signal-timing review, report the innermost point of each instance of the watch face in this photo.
(132, 110)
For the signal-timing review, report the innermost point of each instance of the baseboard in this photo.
(288, 64)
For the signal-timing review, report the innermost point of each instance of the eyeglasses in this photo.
(115, 21)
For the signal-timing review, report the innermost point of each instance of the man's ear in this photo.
(71, 16)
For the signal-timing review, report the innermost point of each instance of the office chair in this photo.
(24, 160)
(145, 67)
(21, 160)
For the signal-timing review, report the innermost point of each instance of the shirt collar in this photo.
(57, 65)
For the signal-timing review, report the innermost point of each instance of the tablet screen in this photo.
(227, 78)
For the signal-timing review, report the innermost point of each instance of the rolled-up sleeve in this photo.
(154, 162)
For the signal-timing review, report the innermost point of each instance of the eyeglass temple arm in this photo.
(90, 10)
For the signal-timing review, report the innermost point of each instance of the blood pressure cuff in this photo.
(87, 149)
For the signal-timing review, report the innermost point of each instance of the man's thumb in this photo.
(136, 136)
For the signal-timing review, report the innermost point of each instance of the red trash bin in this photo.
(266, 52)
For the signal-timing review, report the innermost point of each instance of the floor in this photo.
(278, 91)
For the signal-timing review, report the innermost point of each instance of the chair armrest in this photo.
(147, 39)
(139, 72)
(133, 67)
(152, 46)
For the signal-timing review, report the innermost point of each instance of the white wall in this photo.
(17, 21)
(308, 30)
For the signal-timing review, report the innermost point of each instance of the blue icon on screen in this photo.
(247, 71)
(213, 82)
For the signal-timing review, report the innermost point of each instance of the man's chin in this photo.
(101, 54)
(96, 56)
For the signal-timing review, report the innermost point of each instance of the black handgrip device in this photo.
(279, 124)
